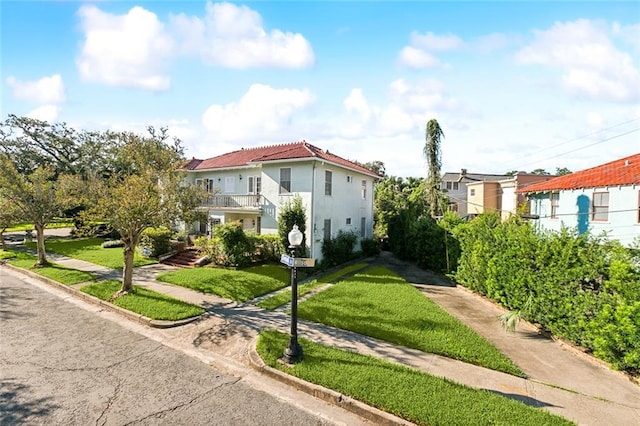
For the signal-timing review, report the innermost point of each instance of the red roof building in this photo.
(291, 151)
(625, 171)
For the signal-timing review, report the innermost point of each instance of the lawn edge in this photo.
(355, 406)
(141, 319)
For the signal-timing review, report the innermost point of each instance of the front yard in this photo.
(380, 304)
(90, 250)
(53, 271)
(238, 285)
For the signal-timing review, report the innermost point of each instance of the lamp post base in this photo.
(293, 353)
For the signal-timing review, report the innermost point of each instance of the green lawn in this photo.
(330, 278)
(408, 393)
(60, 223)
(6, 254)
(144, 302)
(54, 271)
(90, 250)
(285, 296)
(380, 304)
(278, 272)
(235, 285)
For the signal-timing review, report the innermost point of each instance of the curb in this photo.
(141, 319)
(361, 409)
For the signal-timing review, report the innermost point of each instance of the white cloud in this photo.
(263, 113)
(48, 113)
(407, 108)
(419, 52)
(127, 50)
(47, 90)
(592, 66)
(234, 37)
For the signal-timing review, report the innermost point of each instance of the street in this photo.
(60, 364)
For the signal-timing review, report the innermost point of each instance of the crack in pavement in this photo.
(110, 401)
(59, 369)
(197, 398)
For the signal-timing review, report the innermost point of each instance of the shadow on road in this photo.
(17, 406)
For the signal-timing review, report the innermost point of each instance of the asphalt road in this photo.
(60, 364)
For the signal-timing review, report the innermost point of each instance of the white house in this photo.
(251, 185)
(604, 198)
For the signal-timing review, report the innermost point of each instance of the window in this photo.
(638, 206)
(364, 189)
(554, 199)
(449, 185)
(229, 184)
(348, 221)
(328, 176)
(472, 192)
(349, 179)
(255, 184)
(209, 185)
(456, 186)
(600, 207)
(327, 229)
(363, 227)
(199, 183)
(285, 180)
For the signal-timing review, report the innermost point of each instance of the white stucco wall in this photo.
(622, 223)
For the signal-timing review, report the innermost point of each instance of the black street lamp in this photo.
(293, 352)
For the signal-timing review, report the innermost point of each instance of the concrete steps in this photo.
(184, 259)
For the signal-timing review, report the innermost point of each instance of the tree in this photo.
(32, 143)
(376, 166)
(435, 197)
(540, 172)
(144, 189)
(9, 215)
(293, 213)
(561, 171)
(33, 197)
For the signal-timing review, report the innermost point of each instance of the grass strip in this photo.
(331, 278)
(380, 304)
(283, 297)
(54, 271)
(408, 393)
(235, 285)
(90, 250)
(6, 254)
(144, 302)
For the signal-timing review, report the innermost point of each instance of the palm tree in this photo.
(434, 195)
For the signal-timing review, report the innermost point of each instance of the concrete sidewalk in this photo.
(559, 379)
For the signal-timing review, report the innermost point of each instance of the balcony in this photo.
(227, 202)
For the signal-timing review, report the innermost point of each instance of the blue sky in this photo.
(514, 85)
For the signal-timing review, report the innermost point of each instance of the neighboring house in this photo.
(455, 184)
(251, 185)
(602, 198)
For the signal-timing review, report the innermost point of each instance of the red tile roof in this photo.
(625, 171)
(290, 151)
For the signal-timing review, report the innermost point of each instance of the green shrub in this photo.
(339, 249)
(266, 248)
(579, 287)
(293, 213)
(232, 247)
(156, 240)
(112, 244)
(369, 247)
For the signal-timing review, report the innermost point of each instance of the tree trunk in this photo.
(127, 271)
(2, 241)
(42, 254)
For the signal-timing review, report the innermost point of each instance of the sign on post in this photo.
(287, 260)
(298, 262)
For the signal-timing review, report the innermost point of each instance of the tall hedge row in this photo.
(579, 287)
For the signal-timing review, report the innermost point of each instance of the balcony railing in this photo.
(234, 201)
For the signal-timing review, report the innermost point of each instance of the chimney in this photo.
(463, 172)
